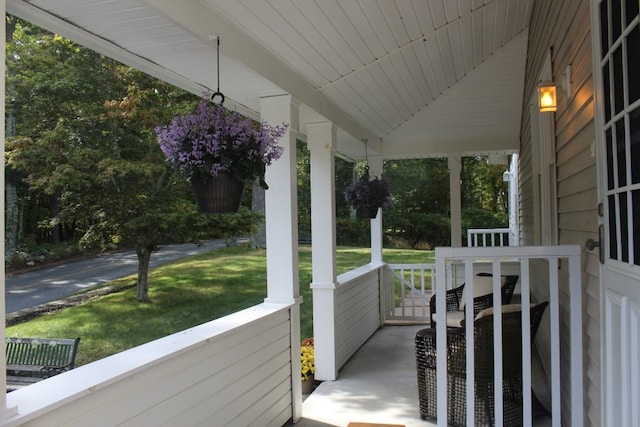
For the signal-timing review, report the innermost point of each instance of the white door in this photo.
(617, 79)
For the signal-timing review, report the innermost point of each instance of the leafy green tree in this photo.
(419, 185)
(303, 172)
(87, 147)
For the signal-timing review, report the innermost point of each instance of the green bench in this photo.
(30, 360)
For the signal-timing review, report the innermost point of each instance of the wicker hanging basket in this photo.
(219, 194)
(366, 211)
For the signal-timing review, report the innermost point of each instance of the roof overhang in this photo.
(414, 79)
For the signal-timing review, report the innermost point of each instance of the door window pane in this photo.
(604, 26)
(631, 10)
(609, 141)
(621, 150)
(616, 19)
(606, 90)
(613, 240)
(618, 80)
(633, 64)
(624, 227)
(634, 142)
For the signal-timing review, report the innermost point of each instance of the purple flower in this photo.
(368, 192)
(212, 140)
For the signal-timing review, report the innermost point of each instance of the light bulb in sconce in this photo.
(547, 99)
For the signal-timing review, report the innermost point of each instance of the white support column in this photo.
(281, 204)
(455, 167)
(321, 140)
(281, 214)
(5, 412)
(376, 169)
(514, 233)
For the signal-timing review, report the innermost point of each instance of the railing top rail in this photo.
(509, 253)
(427, 265)
(488, 230)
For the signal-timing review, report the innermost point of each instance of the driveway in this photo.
(48, 284)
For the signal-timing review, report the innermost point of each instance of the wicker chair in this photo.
(425, 342)
(454, 297)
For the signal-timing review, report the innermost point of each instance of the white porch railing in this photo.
(345, 315)
(560, 284)
(482, 237)
(408, 288)
(236, 370)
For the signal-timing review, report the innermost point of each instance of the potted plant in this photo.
(366, 195)
(217, 149)
(307, 365)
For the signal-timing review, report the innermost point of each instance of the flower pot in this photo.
(365, 211)
(219, 194)
(307, 385)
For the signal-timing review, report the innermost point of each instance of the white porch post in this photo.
(514, 233)
(4, 411)
(281, 213)
(321, 140)
(375, 169)
(455, 166)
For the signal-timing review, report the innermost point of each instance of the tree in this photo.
(55, 90)
(87, 146)
(142, 199)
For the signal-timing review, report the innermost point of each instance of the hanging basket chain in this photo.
(366, 155)
(218, 93)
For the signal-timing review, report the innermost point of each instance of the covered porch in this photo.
(418, 89)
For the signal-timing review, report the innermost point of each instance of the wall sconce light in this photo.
(547, 99)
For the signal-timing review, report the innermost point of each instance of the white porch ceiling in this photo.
(414, 77)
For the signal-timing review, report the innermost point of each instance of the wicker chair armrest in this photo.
(482, 302)
(509, 288)
(452, 299)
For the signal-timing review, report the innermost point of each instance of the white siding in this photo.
(358, 315)
(565, 27)
(233, 371)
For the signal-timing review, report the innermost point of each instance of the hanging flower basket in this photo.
(366, 195)
(219, 194)
(365, 211)
(211, 142)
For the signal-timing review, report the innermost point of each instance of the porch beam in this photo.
(321, 140)
(455, 167)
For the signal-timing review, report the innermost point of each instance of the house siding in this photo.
(565, 29)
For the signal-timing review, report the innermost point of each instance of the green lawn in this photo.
(185, 294)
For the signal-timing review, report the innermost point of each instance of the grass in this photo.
(184, 294)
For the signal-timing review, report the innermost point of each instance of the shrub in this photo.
(423, 231)
(352, 233)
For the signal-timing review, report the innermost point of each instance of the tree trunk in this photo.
(12, 218)
(259, 239)
(12, 211)
(56, 231)
(144, 256)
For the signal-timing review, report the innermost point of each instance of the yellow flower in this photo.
(307, 366)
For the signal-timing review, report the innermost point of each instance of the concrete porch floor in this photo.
(377, 385)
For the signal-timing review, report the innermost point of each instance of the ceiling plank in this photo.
(423, 14)
(203, 22)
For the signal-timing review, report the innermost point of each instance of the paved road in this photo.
(48, 284)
